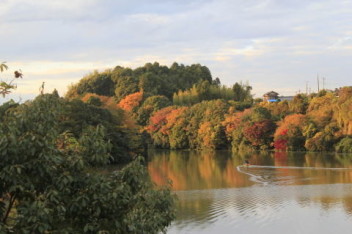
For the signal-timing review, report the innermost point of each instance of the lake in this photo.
(278, 193)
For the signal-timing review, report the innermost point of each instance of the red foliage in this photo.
(159, 119)
(258, 132)
(280, 144)
(291, 121)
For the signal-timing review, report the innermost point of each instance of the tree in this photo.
(242, 92)
(131, 102)
(97, 82)
(299, 104)
(260, 133)
(290, 133)
(47, 183)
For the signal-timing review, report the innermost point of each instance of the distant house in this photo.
(271, 97)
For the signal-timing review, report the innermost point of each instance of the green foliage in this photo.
(242, 92)
(98, 83)
(94, 145)
(279, 110)
(125, 85)
(94, 101)
(7, 106)
(204, 91)
(344, 145)
(323, 140)
(299, 104)
(152, 79)
(76, 116)
(46, 185)
(240, 106)
(259, 114)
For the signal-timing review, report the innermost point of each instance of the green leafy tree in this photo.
(97, 82)
(76, 116)
(47, 184)
(242, 92)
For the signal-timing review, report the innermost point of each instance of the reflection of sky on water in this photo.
(280, 193)
(268, 209)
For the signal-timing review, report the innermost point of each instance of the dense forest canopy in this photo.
(184, 107)
(152, 79)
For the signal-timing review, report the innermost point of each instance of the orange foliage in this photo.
(165, 119)
(131, 101)
(205, 134)
(158, 119)
(172, 118)
(294, 120)
(232, 122)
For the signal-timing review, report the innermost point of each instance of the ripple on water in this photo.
(267, 209)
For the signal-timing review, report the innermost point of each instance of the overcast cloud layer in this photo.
(274, 45)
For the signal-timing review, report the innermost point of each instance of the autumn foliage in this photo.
(183, 107)
(131, 101)
(290, 128)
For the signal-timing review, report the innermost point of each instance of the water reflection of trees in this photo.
(208, 170)
(190, 170)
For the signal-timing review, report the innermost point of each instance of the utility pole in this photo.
(307, 87)
(318, 82)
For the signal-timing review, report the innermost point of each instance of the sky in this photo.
(278, 45)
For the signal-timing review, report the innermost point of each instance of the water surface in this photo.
(278, 193)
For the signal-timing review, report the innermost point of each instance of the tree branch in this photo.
(11, 202)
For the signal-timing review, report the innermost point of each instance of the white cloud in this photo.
(272, 44)
(342, 43)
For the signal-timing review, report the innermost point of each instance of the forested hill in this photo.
(184, 107)
(153, 79)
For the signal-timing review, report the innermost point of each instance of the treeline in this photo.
(321, 122)
(152, 79)
(204, 91)
(183, 107)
